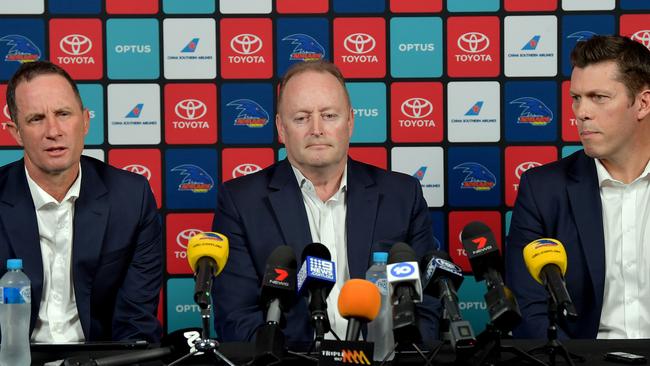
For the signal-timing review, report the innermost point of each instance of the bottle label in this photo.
(15, 295)
(382, 285)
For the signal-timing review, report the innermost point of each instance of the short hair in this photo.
(631, 57)
(27, 72)
(322, 66)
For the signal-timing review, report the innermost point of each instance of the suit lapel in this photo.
(19, 219)
(584, 196)
(362, 201)
(90, 220)
(286, 200)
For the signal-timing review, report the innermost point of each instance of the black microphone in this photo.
(277, 296)
(316, 278)
(483, 253)
(403, 277)
(177, 344)
(441, 279)
(279, 283)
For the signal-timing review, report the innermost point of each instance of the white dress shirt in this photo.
(58, 318)
(327, 226)
(626, 225)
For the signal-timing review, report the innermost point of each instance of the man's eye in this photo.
(329, 116)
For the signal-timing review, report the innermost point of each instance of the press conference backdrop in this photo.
(465, 95)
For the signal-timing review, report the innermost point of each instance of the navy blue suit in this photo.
(116, 249)
(260, 211)
(560, 200)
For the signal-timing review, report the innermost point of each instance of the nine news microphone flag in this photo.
(207, 254)
(546, 261)
(316, 278)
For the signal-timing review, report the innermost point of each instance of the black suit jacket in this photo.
(560, 200)
(261, 211)
(116, 249)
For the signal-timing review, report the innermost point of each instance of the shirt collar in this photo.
(604, 176)
(305, 183)
(42, 198)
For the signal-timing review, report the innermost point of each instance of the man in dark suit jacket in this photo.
(261, 211)
(571, 200)
(115, 258)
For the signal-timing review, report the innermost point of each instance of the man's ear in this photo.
(280, 128)
(14, 131)
(644, 104)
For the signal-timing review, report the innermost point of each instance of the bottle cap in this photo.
(14, 264)
(380, 257)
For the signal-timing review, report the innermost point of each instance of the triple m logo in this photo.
(359, 45)
(76, 46)
(247, 46)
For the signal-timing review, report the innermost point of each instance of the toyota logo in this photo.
(190, 109)
(359, 43)
(417, 108)
(473, 42)
(5, 110)
(245, 169)
(643, 37)
(246, 44)
(521, 168)
(138, 169)
(184, 237)
(75, 44)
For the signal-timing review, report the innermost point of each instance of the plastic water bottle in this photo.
(15, 308)
(380, 330)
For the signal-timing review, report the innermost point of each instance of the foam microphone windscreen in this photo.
(208, 244)
(401, 252)
(317, 250)
(359, 299)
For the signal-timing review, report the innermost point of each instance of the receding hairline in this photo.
(321, 67)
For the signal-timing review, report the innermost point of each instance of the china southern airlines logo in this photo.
(419, 174)
(532, 44)
(476, 109)
(580, 36)
(477, 177)
(135, 112)
(191, 46)
(534, 111)
(250, 114)
(22, 49)
(306, 48)
(194, 180)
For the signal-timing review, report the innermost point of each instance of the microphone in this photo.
(483, 253)
(441, 279)
(278, 294)
(359, 302)
(546, 261)
(176, 344)
(279, 283)
(207, 254)
(316, 278)
(403, 275)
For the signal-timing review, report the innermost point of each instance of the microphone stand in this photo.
(489, 348)
(553, 347)
(205, 344)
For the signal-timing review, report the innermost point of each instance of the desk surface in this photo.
(592, 350)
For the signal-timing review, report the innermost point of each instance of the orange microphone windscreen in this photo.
(359, 299)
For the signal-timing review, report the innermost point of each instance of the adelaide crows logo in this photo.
(307, 48)
(194, 180)
(22, 49)
(250, 114)
(534, 111)
(478, 177)
(580, 36)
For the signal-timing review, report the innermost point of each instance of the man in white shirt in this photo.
(596, 201)
(317, 194)
(89, 234)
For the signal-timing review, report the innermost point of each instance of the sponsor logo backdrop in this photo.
(464, 95)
